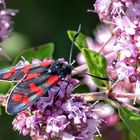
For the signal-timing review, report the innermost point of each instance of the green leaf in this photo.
(5, 87)
(80, 40)
(131, 120)
(15, 44)
(96, 63)
(97, 66)
(41, 52)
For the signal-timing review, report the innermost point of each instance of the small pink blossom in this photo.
(102, 6)
(58, 115)
(6, 22)
(124, 71)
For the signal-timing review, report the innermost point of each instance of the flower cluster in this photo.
(118, 40)
(5, 21)
(59, 115)
(124, 17)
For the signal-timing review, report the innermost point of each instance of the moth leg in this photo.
(66, 88)
(56, 97)
(59, 86)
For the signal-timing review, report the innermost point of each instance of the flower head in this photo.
(124, 19)
(5, 21)
(58, 114)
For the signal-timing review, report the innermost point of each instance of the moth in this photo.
(34, 80)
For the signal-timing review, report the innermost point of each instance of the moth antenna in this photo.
(101, 78)
(72, 44)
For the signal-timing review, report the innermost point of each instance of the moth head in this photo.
(61, 68)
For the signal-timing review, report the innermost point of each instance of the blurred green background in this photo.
(40, 22)
(48, 21)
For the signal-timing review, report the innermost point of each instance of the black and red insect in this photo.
(34, 80)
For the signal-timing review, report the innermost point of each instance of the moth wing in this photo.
(17, 73)
(28, 91)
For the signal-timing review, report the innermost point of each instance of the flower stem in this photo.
(125, 95)
(92, 96)
(123, 104)
(104, 45)
(102, 96)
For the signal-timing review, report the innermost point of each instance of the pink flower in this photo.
(124, 71)
(125, 25)
(107, 113)
(102, 6)
(58, 115)
(6, 22)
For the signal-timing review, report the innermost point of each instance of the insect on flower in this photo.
(34, 80)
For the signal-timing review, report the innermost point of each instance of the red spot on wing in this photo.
(20, 98)
(31, 76)
(26, 69)
(7, 75)
(45, 64)
(53, 79)
(33, 87)
(37, 90)
(25, 100)
(17, 97)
